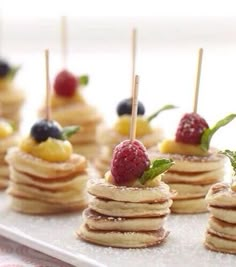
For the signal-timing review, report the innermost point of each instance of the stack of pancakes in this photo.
(109, 138)
(125, 217)
(41, 187)
(221, 232)
(11, 101)
(87, 117)
(191, 177)
(5, 144)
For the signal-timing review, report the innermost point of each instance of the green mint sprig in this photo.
(154, 115)
(83, 80)
(156, 168)
(68, 131)
(12, 72)
(208, 133)
(232, 157)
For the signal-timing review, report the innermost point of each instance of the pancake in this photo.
(203, 178)
(8, 142)
(224, 214)
(221, 228)
(101, 189)
(128, 209)
(98, 221)
(89, 150)
(221, 195)
(186, 191)
(220, 244)
(65, 183)
(189, 164)
(122, 239)
(3, 183)
(188, 206)
(27, 163)
(32, 206)
(4, 172)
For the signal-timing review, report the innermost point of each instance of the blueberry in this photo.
(43, 129)
(4, 68)
(125, 107)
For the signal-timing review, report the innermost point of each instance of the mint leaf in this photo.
(232, 157)
(157, 167)
(83, 80)
(69, 131)
(154, 115)
(208, 133)
(12, 73)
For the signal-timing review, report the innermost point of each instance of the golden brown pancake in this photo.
(104, 190)
(130, 209)
(122, 239)
(220, 244)
(98, 221)
(188, 206)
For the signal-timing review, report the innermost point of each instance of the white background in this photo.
(169, 35)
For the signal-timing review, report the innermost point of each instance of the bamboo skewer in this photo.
(48, 91)
(133, 53)
(198, 76)
(64, 39)
(134, 108)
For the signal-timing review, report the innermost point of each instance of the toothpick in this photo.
(64, 40)
(48, 91)
(197, 84)
(133, 53)
(134, 109)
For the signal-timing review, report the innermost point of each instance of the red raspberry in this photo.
(65, 84)
(129, 162)
(190, 129)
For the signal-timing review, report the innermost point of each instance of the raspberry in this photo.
(129, 162)
(190, 129)
(65, 84)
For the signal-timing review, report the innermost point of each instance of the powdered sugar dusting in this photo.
(184, 245)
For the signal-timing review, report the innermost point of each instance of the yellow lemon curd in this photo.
(58, 101)
(52, 150)
(122, 126)
(5, 129)
(173, 147)
(150, 183)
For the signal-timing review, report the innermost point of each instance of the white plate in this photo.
(54, 235)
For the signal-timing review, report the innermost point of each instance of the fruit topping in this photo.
(6, 129)
(44, 129)
(51, 150)
(129, 162)
(190, 129)
(122, 126)
(4, 68)
(65, 84)
(125, 107)
(130, 165)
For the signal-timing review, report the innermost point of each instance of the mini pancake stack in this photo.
(145, 133)
(197, 166)
(8, 138)
(45, 176)
(191, 177)
(129, 207)
(69, 107)
(221, 231)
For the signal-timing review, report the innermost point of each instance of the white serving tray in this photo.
(54, 235)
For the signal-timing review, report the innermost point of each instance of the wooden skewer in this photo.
(48, 91)
(64, 40)
(133, 53)
(134, 109)
(197, 83)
